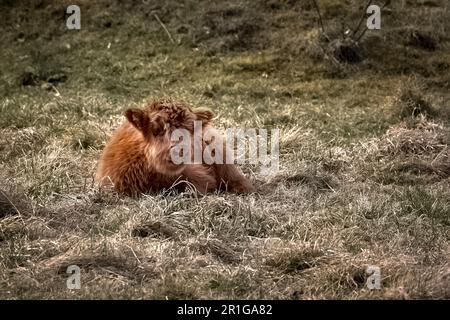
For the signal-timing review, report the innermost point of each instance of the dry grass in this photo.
(365, 160)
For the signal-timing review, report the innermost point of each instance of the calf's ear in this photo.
(204, 114)
(148, 126)
(138, 118)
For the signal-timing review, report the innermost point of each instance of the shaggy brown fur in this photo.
(137, 158)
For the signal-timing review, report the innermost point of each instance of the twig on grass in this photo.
(164, 27)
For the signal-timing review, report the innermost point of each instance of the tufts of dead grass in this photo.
(410, 101)
(425, 138)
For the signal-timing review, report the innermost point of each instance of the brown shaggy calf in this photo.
(137, 159)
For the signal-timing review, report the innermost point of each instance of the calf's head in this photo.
(157, 122)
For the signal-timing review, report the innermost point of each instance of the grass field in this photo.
(364, 150)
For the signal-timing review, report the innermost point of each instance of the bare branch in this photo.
(362, 18)
(362, 34)
(320, 16)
